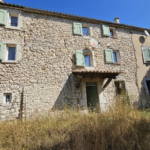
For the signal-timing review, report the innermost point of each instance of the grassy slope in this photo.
(121, 128)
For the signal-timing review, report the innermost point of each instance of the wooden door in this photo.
(92, 96)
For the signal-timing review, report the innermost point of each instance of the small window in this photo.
(111, 32)
(120, 87)
(7, 98)
(11, 53)
(112, 56)
(87, 60)
(115, 57)
(85, 31)
(13, 21)
(148, 85)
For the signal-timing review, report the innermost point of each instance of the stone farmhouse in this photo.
(49, 59)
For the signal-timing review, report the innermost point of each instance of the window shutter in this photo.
(1, 98)
(80, 58)
(109, 56)
(1, 51)
(106, 30)
(146, 54)
(3, 14)
(77, 28)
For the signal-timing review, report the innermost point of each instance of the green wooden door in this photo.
(92, 99)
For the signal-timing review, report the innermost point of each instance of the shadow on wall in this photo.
(69, 95)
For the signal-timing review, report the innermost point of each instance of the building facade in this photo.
(48, 60)
(142, 47)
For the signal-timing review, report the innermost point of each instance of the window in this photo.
(81, 29)
(7, 97)
(147, 85)
(87, 60)
(111, 32)
(85, 31)
(112, 56)
(120, 87)
(115, 57)
(11, 53)
(13, 21)
(108, 31)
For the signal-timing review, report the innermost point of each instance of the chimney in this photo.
(1, 1)
(117, 20)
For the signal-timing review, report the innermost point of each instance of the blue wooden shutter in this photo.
(80, 58)
(109, 56)
(106, 30)
(77, 28)
(3, 14)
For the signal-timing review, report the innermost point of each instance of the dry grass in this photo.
(121, 128)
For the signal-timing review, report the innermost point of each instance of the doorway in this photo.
(92, 96)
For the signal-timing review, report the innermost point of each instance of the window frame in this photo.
(113, 29)
(18, 54)
(89, 60)
(4, 98)
(7, 50)
(118, 57)
(88, 29)
(92, 60)
(14, 13)
(115, 56)
(119, 81)
(10, 18)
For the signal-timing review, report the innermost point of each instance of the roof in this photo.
(70, 16)
(96, 73)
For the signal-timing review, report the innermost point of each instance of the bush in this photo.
(120, 128)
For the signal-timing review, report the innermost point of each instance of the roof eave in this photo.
(69, 16)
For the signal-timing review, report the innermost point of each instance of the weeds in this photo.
(120, 128)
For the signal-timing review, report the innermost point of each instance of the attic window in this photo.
(111, 32)
(85, 31)
(13, 21)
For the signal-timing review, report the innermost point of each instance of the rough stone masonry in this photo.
(42, 78)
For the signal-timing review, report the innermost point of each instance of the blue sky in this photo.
(131, 12)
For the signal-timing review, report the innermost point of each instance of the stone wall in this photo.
(48, 57)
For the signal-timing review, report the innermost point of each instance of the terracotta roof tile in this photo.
(95, 71)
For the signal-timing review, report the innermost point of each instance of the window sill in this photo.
(10, 61)
(5, 104)
(89, 68)
(11, 27)
(86, 37)
(114, 37)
